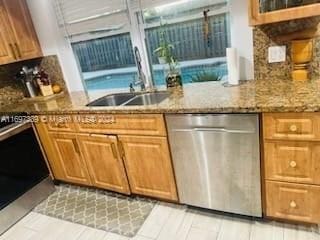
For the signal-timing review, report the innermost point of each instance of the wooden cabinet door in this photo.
(291, 161)
(104, 162)
(25, 41)
(7, 54)
(68, 157)
(297, 202)
(291, 126)
(149, 167)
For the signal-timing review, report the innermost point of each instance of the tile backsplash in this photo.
(11, 90)
(266, 36)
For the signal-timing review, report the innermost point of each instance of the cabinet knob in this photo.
(293, 164)
(293, 128)
(293, 204)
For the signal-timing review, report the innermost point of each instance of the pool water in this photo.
(123, 80)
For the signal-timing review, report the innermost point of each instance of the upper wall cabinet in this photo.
(271, 11)
(18, 39)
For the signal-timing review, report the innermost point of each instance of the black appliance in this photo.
(24, 176)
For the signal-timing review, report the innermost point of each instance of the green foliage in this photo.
(206, 77)
(165, 50)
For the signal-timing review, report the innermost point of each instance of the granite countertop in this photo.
(209, 97)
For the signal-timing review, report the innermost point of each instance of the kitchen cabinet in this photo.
(68, 158)
(271, 11)
(149, 166)
(290, 126)
(118, 152)
(296, 202)
(292, 166)
(104, 162)
(293, 161)
(7, 53)
(17, 34)
(60, 124)
(132, 124)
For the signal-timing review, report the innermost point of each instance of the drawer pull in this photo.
(293, 204)
(293, 164)
(13, 51)
(293, 128)
(18, 50)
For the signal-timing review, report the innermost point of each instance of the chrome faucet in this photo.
(142, 78)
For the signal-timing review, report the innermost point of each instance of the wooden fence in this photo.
(187, 37)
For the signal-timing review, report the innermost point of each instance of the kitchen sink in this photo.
(148, 99)
(112, 100)
(130, 99)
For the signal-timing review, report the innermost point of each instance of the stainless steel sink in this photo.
(148, 99)
(130, 99)
(112, 100)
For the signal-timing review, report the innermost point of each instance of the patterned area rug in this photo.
(98, 209)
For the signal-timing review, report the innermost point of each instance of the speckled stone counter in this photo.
(210, 97)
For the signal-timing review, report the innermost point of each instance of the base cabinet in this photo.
(117, 161)
(68, 158)
(104, 162)
(297, 202)
(296, 162)
(149, 167)
(292, 166)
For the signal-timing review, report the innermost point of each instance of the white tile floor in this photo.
(165, 222)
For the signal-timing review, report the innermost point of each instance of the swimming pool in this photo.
(123, 80)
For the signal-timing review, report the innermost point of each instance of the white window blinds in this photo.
(154, 3)
(82, 20)
(178, 3)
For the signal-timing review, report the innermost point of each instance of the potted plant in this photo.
(173, 78)
(164, 50)
(165, 56)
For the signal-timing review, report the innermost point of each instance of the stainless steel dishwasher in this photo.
(217, 161)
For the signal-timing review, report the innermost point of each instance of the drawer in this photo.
(59, 123)
(292, 161)
(126, 124)
(291, 126)
(295, 202)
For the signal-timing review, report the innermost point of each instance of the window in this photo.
(198, 32)
(99, 32)
(103, 34)
(106, 62)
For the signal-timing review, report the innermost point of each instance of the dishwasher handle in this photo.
(211, 129)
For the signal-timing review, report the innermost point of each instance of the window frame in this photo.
(138, 26)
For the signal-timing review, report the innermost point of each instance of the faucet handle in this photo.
(131, 88)
(143, 86)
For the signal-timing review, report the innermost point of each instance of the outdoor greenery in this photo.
(185, 38)
(206, 77)
(165, 51)
(165, 48)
